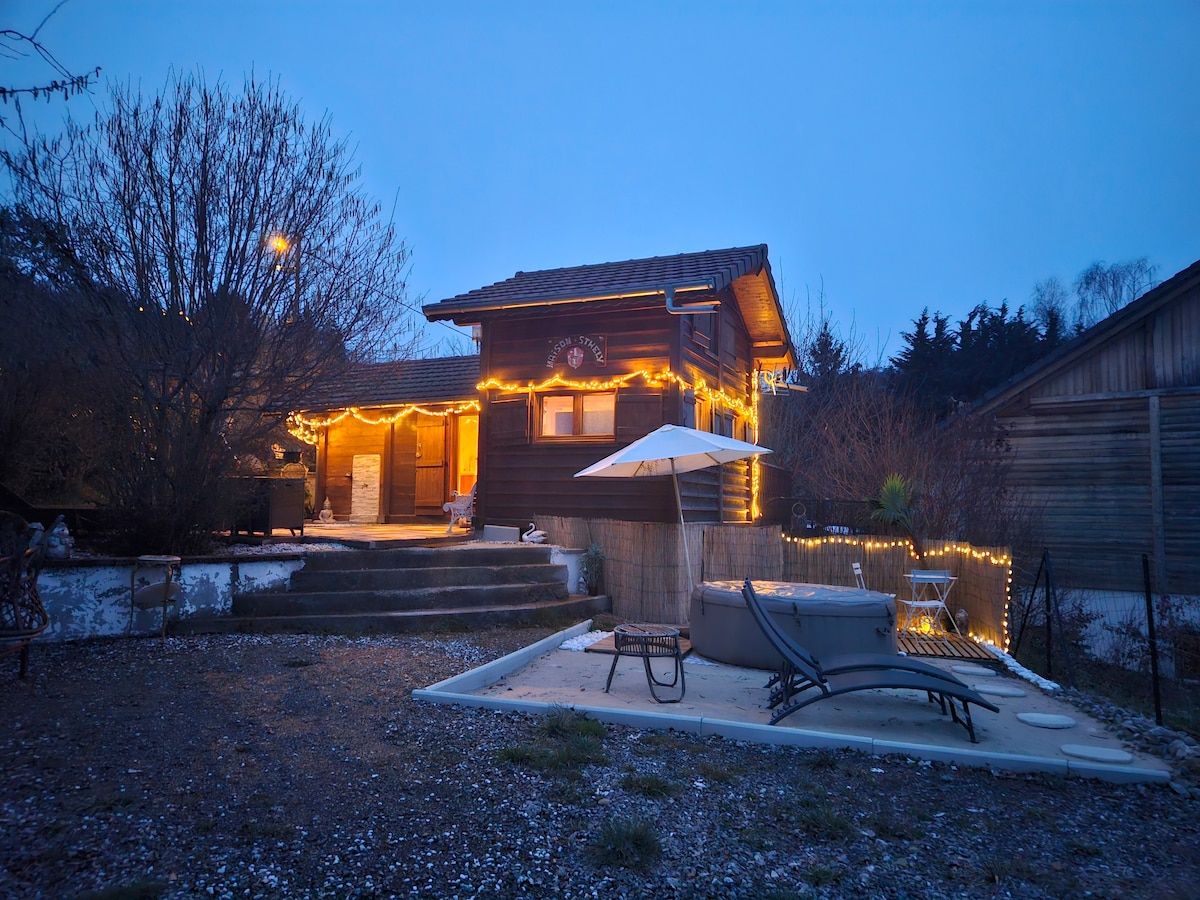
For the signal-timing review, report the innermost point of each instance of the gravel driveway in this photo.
(300, 766)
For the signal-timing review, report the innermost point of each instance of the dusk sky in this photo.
(902, 155)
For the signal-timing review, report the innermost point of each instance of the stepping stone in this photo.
(1046, 720)
(974, 670)
(1097, 754)
(999, 690)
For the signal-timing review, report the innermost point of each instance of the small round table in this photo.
(649, 641)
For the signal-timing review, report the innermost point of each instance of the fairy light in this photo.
(946, 549)
(650, 378)
(307, 428)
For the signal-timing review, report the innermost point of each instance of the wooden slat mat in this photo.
(949, 646)
(606, 645)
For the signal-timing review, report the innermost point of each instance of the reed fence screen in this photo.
(645, 576)
(983, 573)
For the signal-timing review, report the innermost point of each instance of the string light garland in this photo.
(946, 549)
(755, 471)
(307, 428)
(304, 427)
(649, 378)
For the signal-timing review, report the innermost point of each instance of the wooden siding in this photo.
(1087, 466)
(521, 475)
(1158, 352)
(346, 439)
(1108, 448)
(1180, 426)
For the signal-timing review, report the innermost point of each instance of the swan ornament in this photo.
(533, 535)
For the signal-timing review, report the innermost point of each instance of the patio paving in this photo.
(731, 701)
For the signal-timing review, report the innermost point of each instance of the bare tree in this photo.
(1102, 289)
(229, 261)
(846, 436)
(1050, 305)
(15, 46)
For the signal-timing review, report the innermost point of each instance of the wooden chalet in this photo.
(578, 362)
(394, 440)
(1105, 436)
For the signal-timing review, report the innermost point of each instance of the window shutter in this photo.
(638, 414)
(508, 421)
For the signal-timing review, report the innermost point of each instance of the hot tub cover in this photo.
(826, 619)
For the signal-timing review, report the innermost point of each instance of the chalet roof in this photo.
(1122, 320)
(441, 380)
(692, 276)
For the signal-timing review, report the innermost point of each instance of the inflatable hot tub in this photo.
(825, 619)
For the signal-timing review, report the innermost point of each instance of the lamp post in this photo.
(284, 247)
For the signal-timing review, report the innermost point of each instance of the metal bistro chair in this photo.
(861, 581)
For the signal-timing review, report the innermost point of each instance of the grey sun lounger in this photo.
(802, 680)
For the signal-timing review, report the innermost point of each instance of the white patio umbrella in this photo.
(672, 450)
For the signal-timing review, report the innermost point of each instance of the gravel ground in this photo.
(300, 766)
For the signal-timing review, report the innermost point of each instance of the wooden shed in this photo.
(578, 362)
(394, 440)
(1105, 436)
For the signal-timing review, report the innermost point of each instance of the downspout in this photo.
(690, 309)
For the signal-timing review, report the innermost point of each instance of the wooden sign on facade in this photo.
(577, 350)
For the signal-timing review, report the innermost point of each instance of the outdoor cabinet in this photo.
(266, 503)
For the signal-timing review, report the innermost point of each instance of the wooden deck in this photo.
(949, 646)
(945, 646)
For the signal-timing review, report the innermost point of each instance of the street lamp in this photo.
(282, 247)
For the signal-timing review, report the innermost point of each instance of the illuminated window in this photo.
(578, 415)
(558, 416)
(599, 413)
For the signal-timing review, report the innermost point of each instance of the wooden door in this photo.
(431, 465)
(364, 496)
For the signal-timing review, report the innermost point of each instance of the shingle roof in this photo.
(720, 267)
(441, 380)
(714, 269)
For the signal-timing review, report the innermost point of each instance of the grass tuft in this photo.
(653, 786)
(626, 843)
(820, 820)
(563, 723)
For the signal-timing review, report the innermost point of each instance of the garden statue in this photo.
(59, 541)
(326, 514)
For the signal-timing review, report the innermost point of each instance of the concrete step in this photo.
(571, 609)
(458, 596)
(308, 580)
(408, 588)
(429, 557)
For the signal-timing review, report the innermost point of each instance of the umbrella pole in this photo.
(687, 556)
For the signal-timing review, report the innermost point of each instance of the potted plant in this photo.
(591, 565)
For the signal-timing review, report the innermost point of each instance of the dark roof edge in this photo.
(1082, 343)
(449, 309)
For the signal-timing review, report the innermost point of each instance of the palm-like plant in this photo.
(894, 506)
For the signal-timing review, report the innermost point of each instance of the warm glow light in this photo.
(649, 378)
(279, 243)
(306, 428)
(755, 472)
(944, 550)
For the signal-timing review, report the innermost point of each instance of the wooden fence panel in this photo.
(982, 572)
